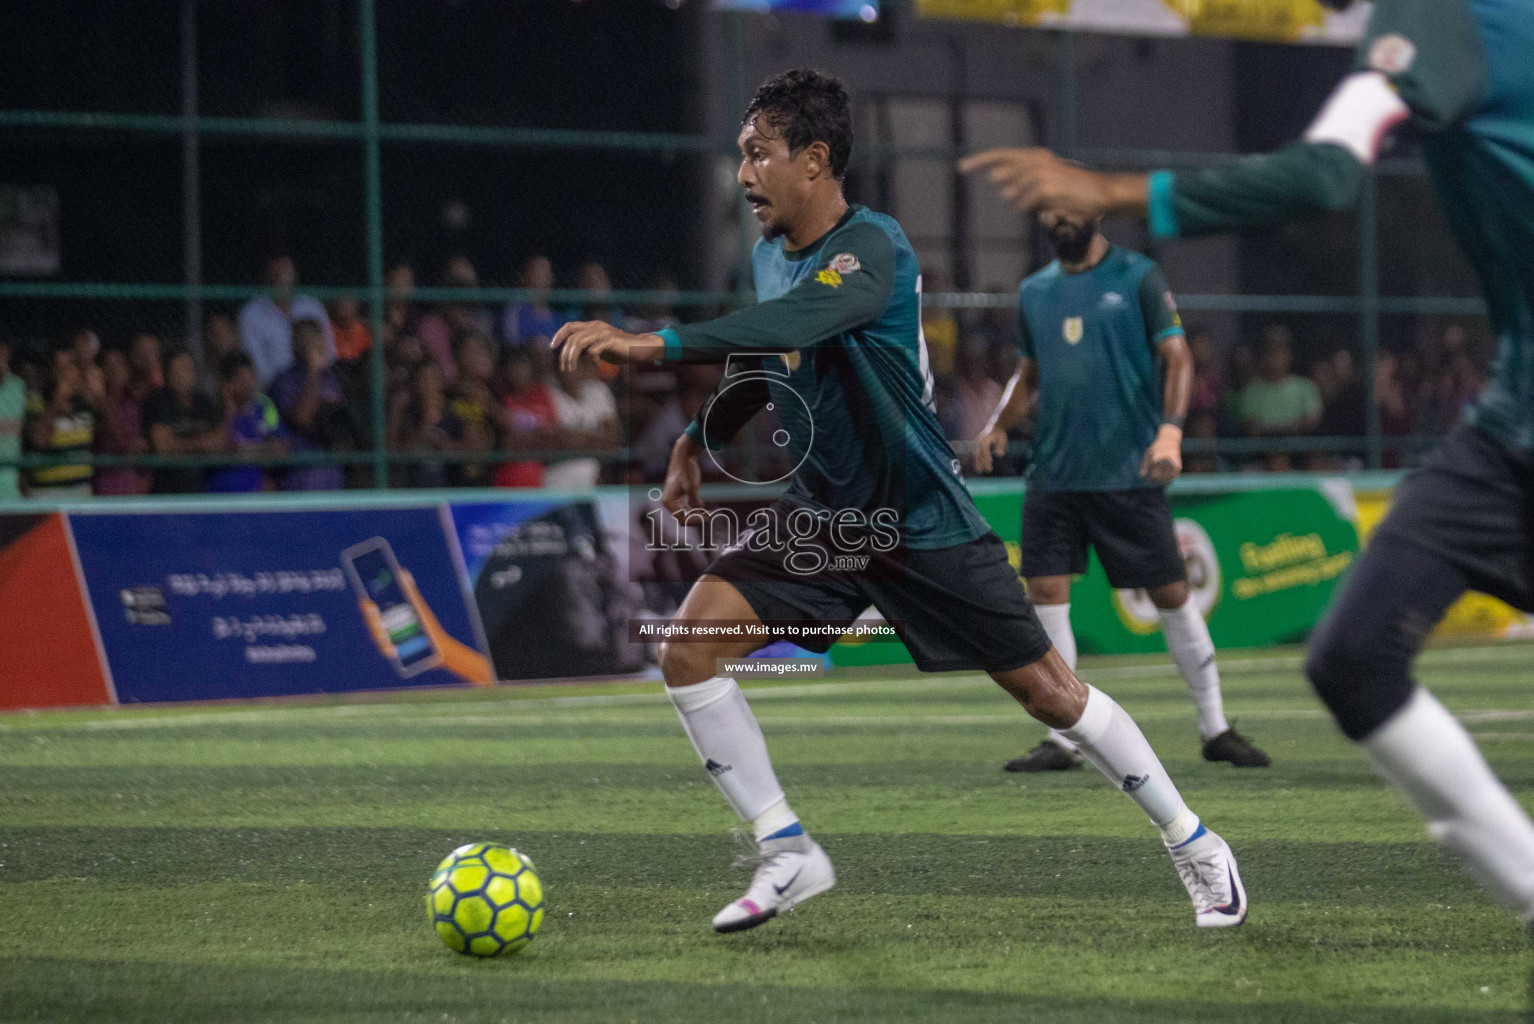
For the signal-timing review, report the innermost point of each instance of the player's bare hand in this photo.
(989, 446)
(683, 479)
(596, 340)
(1163, 459)
(1036, 179)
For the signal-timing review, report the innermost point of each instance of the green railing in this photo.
(1368, 306)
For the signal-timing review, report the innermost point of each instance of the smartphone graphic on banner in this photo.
(374, 572)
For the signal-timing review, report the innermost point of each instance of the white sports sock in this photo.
(1430, 757)
(1057, 623)
(1187, 639)
(1056, 619)
(1110, 740)
(725, 734)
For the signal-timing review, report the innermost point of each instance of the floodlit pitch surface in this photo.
(268, 863)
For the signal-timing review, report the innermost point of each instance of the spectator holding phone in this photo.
(313, 408)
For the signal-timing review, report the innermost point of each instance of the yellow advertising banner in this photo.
(1284, 21)
(1472, 615)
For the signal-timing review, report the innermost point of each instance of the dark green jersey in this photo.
(835, 345)
(1093, 337)
(1461, 72)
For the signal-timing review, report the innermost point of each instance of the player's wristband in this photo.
(1173, 421)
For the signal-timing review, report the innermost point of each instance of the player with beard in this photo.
(1457, 75)
(839, 319)
(1099, 331)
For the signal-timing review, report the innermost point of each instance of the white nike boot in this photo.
(790, 871)
(1208, 871)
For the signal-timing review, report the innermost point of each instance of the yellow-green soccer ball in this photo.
(485, 900)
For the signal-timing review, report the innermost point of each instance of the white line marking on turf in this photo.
(1472, 717)
(513, 710)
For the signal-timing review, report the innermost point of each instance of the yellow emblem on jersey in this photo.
(1072, 329)
(791, 360)
(829, 277)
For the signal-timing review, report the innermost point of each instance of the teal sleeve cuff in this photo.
(1159, 202)
(1167, 332)
(695, 431)
(673, 343)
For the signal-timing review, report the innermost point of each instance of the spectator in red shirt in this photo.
(353, 339)
(528, 417)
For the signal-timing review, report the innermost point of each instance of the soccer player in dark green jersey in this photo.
(1459, 74)
(1099, 331)
(876, 514)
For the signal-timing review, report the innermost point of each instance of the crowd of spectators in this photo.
(1246, 391)
(287, 377)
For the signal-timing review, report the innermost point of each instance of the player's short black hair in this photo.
(231, 363)
(807, 106)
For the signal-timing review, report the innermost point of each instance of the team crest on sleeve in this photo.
(1072, 329)
(1392, 54)
(845, 263)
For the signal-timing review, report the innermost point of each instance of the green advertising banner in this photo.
(1262, 564)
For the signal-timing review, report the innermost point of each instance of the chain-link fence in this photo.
(423, 169)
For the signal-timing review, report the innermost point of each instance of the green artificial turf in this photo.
(269, 862)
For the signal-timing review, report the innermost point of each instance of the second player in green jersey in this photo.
(1106, 372)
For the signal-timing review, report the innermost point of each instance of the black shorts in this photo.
(960, 607)
(1472, 502)
(1131, 530)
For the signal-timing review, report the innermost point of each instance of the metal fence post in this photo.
(191, 185)
(1069, 123)
(373, 187)
(1369, 313)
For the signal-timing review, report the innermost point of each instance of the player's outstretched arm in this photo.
(1419, 59)
(850, 286)
(1303, 179)
(596, 340)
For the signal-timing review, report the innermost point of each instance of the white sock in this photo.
(1430, 757)
(1110, 740)
(725, 734)
(1187, 639)
(1057, 623)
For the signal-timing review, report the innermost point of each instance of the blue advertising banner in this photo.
(210, 605)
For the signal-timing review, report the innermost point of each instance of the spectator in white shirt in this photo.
(266, 322)
(588, 419)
